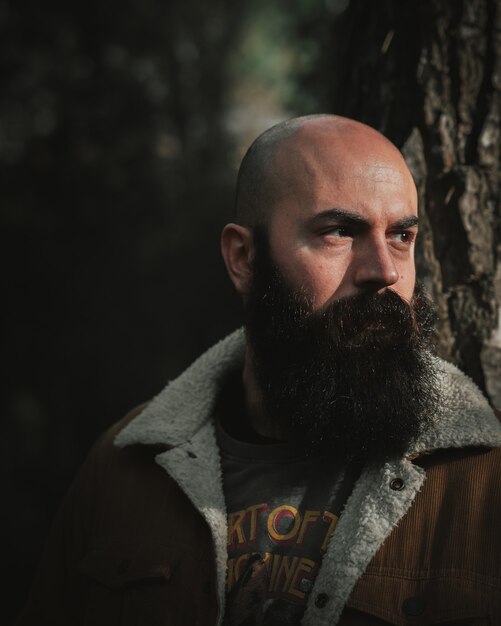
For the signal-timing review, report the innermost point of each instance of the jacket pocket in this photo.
(150, 585)
(445, 598)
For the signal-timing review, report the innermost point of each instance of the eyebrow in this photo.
(348, 217)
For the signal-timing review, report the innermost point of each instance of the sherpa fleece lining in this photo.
(180, 418)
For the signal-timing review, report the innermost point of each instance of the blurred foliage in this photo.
(282, 48)
(113, 163)
(121, 128)
(114, 179)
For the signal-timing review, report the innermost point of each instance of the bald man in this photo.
(321, 466)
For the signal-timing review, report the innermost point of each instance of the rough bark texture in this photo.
(430, 79)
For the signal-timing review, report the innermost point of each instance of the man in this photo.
(322, 468)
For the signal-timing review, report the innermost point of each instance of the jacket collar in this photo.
(186, 403)
(179, 419)
(464, 417)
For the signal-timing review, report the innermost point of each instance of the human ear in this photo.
(237, 248)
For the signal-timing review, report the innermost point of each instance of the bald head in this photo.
(290, 154)
(337, 204)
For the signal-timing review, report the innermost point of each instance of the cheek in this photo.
(318, 281)
(318, 274)
(406, 283)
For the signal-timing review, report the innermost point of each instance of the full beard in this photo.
(355, 378)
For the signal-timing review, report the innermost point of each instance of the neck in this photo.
(260, 420)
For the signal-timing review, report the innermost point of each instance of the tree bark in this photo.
(428, 75)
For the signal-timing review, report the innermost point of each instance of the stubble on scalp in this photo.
(261, 179)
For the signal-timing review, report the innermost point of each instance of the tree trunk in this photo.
(428, 75)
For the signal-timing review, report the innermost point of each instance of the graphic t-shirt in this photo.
(282, 511)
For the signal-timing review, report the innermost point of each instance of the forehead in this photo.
(359, 172)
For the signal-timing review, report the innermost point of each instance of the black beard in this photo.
(355, 378)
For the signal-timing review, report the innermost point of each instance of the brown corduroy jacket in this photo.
(141, 537)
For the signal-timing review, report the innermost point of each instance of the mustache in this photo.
(368, 320)
(375, 315)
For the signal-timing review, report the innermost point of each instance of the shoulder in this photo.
(111, 462)
(105, 448)
(110, 471)
(106, 440)
(125, 486)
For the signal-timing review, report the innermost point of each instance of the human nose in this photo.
(376, 267)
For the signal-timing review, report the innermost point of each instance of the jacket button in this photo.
(397, 484)
(321, 600)
(413, 607)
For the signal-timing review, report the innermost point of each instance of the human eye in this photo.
(337, 231)
(403, 237)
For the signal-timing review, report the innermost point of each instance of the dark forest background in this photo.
(122, 125)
